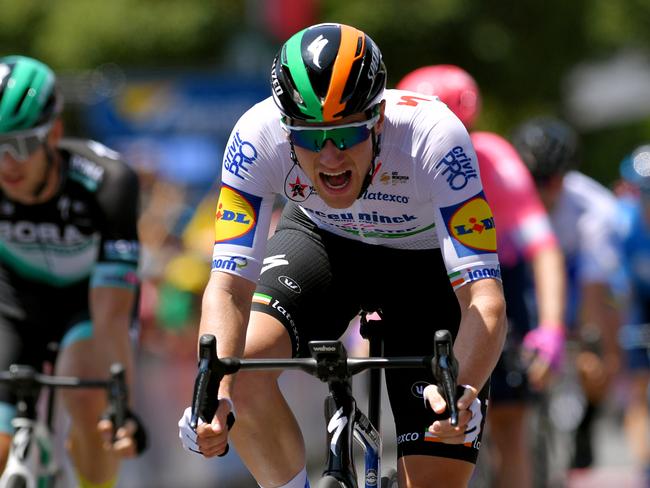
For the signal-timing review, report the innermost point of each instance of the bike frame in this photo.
(345, 421)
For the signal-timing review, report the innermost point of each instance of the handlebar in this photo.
(445, 370)
(329, 363)
(26, 382)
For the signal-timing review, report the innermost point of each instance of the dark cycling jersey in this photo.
(52, 252)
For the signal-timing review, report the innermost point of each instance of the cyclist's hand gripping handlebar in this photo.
(118, 411)
(205, 401)
(445, 370)
(117, 397)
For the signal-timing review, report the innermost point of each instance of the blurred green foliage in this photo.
(519, 51)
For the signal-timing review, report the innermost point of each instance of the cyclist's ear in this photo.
(56, 133)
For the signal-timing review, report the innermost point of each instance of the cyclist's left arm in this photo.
(113, 291)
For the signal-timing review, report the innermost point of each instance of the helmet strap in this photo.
(376, 149)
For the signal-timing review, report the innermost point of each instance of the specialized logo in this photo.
(458, 168)
(273, 261)
(412, 101)
(336, 425)
(236, 218)
(316, 47)
(417, 389)
(290, 283)
(240, 155)
(471, 226)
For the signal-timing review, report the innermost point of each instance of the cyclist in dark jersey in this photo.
(386, 211)
(68, 263)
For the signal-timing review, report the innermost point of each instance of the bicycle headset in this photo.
(327, 72)
(547, 146)
(453, 85)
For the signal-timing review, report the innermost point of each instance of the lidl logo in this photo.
(471, 226)
(236, 218)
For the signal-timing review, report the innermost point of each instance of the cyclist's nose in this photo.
(330, 155)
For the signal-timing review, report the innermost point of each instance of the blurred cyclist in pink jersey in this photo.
(526, 243)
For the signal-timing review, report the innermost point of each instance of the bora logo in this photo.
(471, 226)
(236, 218)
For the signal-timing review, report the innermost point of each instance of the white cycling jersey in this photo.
(585, 222)
(425, 192)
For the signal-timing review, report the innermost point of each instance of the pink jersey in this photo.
(523, 226)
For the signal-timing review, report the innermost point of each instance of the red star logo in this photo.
(297, 188)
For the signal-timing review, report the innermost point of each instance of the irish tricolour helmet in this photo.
(326, 72)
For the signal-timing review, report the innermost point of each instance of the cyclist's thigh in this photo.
(420, 470)
(413, 314)
(304, 285)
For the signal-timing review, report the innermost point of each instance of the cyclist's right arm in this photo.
(225, 310)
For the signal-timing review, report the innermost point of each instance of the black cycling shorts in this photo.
(315, 283)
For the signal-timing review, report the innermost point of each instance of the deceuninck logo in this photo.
(236, 218)
(471, 226)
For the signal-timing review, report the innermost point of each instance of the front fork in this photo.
(346, 422)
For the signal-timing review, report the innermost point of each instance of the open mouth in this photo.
(336, 181)
(11, 180)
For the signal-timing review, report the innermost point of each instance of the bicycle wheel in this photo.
(390, 480)
(330, 482)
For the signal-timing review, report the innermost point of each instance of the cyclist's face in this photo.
(22, 175)
(338, 174)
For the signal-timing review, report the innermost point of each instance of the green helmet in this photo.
(28, 96)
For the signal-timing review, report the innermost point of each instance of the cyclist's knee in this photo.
(254, 390)
(84, 406)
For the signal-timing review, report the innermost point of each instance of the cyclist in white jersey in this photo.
(528, 250)
(583, 213)
(386, 211)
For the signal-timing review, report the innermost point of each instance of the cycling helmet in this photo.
(635, 167)
(28, 96)
(548, 146)
(453, 85)
(326, 72)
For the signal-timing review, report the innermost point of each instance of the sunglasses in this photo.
(343, 136)
(22, 144)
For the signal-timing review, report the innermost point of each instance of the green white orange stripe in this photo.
(261, 298)
(457, 279)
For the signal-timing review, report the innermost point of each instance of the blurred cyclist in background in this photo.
(68, 260)
(584, 216)
(635, 334)
(525, 242)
